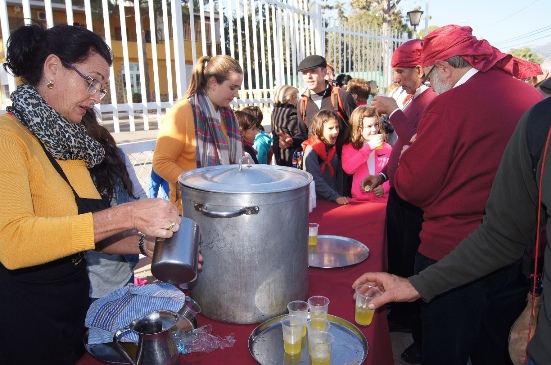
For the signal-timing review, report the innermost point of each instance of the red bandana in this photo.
(408, 55)
(319, 147)
(455, 40)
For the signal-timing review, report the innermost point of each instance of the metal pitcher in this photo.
(156, 346)
(175, 259)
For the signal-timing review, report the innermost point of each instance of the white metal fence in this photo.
(140, 155)
(268, 37)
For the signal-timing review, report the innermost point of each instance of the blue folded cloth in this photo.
(117, 309)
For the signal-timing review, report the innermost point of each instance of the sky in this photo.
(505, 24)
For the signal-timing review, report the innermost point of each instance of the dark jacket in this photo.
(507, 227)
(285, 118)
(348, 104)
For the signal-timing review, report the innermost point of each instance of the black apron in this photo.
(43, 308)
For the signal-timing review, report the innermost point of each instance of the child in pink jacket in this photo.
(366, 153)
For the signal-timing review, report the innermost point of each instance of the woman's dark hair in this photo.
(256, 112)
(360, 87)
(30, 45)
(245, 120)
(343, 79)
(112, 169)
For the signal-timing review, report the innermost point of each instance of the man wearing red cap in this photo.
(448, 172)
(404, 219)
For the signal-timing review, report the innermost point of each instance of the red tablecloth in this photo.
(364, 222)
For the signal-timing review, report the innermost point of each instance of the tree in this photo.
(527, 54)
(377, 15)
(421, 33)
(371, 13)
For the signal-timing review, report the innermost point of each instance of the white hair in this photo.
(546, 65)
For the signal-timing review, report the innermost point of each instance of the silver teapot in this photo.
(156, 345)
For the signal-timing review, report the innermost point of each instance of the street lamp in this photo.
(414, 17)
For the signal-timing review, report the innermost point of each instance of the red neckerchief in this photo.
(247, 143)
(319, 147)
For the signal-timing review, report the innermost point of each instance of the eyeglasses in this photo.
(93, 85)
(426, 78)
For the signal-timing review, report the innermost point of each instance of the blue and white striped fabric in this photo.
(117, 309)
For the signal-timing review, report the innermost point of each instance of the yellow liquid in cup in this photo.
(318, 321)
(292, 348)
(363, 315)
(319, 355)
(304, 331)
(322, 361)
(312, 240)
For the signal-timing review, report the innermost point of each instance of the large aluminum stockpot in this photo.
(254, 224)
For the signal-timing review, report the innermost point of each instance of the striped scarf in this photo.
(212, 146)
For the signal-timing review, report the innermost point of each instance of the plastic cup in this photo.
(320, 347)
(318, 311)
(313, 234)
(291, 327)
(299, 308)
(321, 326)
(364, 294)
(190, 309)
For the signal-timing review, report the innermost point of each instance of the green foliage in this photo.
(369, 13)
(421, 33)
(526, 54)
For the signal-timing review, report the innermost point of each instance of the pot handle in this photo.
(203, 209)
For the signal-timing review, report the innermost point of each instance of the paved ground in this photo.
(127, 136)
(400, 341)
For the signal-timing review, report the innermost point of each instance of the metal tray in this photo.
(266, 344)
(336, 251)
(108, 353)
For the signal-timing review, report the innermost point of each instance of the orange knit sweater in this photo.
(38, 220)
(175, 151)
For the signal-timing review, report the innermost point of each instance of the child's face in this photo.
(249, 134)
(331, 131)
(370, 127)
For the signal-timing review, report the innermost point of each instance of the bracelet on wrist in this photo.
(141, 245)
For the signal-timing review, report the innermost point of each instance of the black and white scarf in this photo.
(64, 140)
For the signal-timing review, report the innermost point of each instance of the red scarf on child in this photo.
(319, 147)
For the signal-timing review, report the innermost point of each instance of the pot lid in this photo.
(244, 178)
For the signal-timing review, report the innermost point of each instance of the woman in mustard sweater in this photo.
(201, 129)
(51, 211)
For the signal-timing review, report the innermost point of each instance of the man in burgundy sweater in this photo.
(448, 172)
(404, 219)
